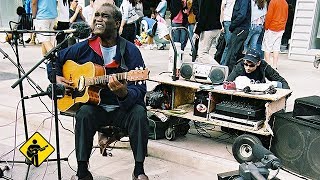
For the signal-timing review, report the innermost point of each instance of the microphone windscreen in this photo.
(83, 30)
(259, 151)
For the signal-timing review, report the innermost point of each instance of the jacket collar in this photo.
(94, 43)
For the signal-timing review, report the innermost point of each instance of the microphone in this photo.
(266, 156)
(80, 30)
(60, 91)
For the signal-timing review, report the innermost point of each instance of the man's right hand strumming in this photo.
(66, 83)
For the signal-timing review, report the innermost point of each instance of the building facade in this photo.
(305, 37)
(8, 12)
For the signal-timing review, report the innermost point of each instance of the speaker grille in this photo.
(296, 143)
(313, 155)
(290, 142)
(217, 76)
(186, 71)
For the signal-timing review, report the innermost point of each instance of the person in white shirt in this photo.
(63, 21)
(88, 12)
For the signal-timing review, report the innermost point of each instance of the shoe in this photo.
(316, 63)
(28, 40)
(88, 177)
(140, 177)
(161, 47)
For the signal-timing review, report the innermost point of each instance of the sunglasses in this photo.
(249, 65)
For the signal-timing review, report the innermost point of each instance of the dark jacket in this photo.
(266, 70)
(90, 51)
(241, 15)
(209, 16)
(195, 8)
(176, 6)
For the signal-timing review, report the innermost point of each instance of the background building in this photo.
(8, 12)
(305, 37)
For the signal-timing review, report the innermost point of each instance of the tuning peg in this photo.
(141, 68)
(139, 82)
(136, 68)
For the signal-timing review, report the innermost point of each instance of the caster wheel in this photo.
(170, 134)
(243, 146)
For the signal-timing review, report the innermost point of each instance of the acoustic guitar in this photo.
(88, 80)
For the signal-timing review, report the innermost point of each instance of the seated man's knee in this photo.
(138, 113)
(84, 112)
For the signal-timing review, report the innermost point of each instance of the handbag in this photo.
(133, 16)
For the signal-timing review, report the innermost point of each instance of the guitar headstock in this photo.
(138, 74)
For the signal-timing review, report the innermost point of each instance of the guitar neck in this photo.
(104, 79)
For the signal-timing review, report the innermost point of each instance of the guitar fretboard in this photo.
(104, 79)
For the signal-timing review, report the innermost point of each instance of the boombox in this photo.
(204, 73)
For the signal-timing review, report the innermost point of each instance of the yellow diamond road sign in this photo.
(37, 149)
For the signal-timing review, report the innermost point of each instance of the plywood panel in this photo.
(183, 95)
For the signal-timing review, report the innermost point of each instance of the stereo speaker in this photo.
(296, 143)
(204, 73)
(307, 106)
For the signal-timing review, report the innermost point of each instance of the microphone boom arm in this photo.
(47, 56)
(20, 69)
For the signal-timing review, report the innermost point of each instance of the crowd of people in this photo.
(251, 28)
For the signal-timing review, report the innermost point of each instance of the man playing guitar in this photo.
(122, 103)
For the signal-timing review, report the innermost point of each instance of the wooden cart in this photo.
(183, 96)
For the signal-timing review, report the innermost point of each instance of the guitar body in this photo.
(91, 94)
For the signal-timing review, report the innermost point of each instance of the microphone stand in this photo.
(15, 35)
(51, 56)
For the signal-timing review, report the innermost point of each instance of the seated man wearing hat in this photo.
(256, 69)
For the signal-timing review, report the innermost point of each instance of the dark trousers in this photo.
(235, 47)
(129, 32)
(90, 118)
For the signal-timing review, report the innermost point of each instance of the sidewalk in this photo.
(190, 157)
